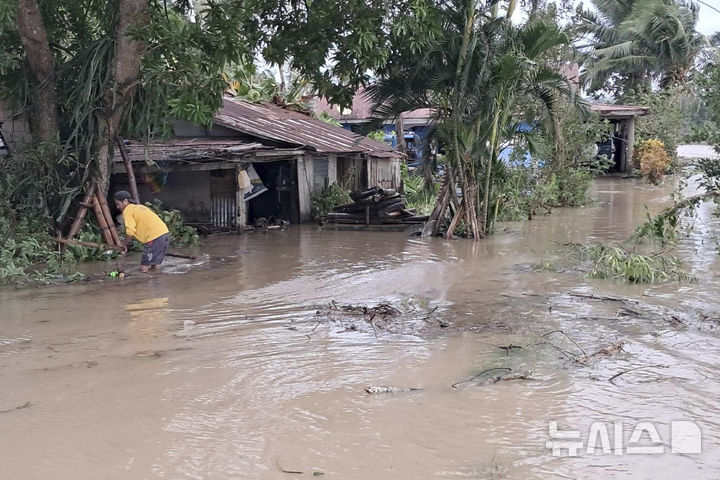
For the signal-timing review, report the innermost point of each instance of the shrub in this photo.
(652, 159)
(331, 196)
(419, 193)
(180, 234)
(572, 187)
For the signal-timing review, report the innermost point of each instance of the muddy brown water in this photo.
(223, 369)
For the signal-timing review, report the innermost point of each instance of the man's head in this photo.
(122, 199)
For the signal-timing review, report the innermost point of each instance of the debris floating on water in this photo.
(375, 390)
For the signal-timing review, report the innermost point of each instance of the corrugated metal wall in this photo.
(223, 210)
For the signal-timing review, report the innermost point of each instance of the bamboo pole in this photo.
(454, 222)
(101, 221)
(108, 217)
(129, 170)
(77, 222)
(87, 244)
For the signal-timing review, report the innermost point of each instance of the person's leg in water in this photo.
(154, 253)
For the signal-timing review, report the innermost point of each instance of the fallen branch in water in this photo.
(454, 385)
(509, 377)
(25, 405)
(603, 298)
(623, 372)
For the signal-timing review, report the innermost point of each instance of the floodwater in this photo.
(223, 369)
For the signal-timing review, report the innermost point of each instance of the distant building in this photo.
(417, 123)
(623, 138)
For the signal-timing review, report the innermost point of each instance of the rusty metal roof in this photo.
(270, 122)
(205, 149)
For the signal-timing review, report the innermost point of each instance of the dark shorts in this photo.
(154, 251)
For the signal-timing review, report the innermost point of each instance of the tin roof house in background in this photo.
(203, 171)
(623, 140)
(417, 123)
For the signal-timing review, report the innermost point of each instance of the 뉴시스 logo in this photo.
(683, 437)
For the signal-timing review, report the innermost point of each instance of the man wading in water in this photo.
(143, 224)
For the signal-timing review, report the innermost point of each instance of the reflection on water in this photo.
(226, 372)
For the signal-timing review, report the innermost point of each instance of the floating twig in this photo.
(566, 336)
(623, 372)
(454, 385)
(25, 405)
(296, 472)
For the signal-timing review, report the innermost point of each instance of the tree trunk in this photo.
(488, 169)
(125, 74)
(34, 39)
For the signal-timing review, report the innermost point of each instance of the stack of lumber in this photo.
(375, 206)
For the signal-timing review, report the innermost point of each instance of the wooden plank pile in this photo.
(375, 206)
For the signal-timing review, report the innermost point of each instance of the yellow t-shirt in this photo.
(142, 223)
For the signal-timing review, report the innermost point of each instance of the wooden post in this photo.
(400, 133)
(332, 168)
(630, 134)
(129, 170)
(622, 153)
(305, 185)
(240, 204)
(100, 199)
(81, 212)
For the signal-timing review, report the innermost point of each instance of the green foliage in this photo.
(572, 185)
(637, 42)
(327, 118)
(708, 89)
(36, 258)
(419, 193)
(601, 261)
(670, 111)
(663, 227)
(331, 196)
(180, 234)
(651, 157)
(525, 192)
(377, 135)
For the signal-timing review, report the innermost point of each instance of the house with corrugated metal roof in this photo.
(416, 124)
(255, 161)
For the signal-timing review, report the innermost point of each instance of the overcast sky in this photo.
(709, 22)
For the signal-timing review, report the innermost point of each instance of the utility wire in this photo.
(708, 5)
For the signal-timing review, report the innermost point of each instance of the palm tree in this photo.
(633, 42)
(473, 76)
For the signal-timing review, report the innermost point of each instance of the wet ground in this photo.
(225, 369)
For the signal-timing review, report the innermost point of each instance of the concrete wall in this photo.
(15, 128)
(188, 192)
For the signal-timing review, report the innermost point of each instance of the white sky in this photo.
(709, 21)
